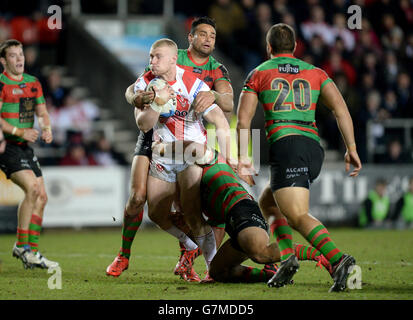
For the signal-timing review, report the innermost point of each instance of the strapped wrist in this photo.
(351, 147)
(216, 95)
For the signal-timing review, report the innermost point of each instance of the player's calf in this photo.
(135, 203)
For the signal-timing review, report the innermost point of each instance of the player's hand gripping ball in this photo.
(162, 102)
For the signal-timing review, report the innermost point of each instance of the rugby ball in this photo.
(167, 109)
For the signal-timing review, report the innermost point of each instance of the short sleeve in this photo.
(39, 93)
(140, 84)
(324, 78)
(222, 74)
(251, 82)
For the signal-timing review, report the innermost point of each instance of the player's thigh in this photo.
(17, 159)
(27, 180)
(293, 201)
(189, 184)
(139, 173)
(160, 195)
(177, 199)
(226, 258)
(245, 215)
(189, 178)
(253, 240)
(268, 205)
(295, 161)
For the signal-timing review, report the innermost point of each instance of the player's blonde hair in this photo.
(165, 42)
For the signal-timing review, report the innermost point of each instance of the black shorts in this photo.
(19, 157)
(295, 162)
(244, 214)
(144, 144)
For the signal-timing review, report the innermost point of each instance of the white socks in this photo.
(206, 243)
(182, 237)
(208, 246)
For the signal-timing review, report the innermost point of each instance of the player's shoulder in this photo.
(183, 58)
(147, 76)
(308, 66)
(2, 78)
(314, 72)
(188, 78)
(29, 78)
(5, 79)
(303, 65)
(214, 62)
(267, 65)
(182, 52)
(220, 70)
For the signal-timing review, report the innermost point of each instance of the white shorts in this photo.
(166, 171)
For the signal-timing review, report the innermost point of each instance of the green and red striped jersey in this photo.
(209, 72)
(19, 98)
(220, 190)
(288, 88)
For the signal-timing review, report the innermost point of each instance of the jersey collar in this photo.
(285, 55)
(12, 79)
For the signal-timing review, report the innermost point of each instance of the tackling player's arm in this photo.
(147, 118)
(139, 99)
(332, 99)
(44, 123)
(201, 152)
(222, 95)
(216, 117)
(247, 106)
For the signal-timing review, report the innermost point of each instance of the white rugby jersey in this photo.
(186, 124)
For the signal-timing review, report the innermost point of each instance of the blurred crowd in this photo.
(72, 112)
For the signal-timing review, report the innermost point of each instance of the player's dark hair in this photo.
(281, 38)
(202, 20)
(381, 181)
(7, 44)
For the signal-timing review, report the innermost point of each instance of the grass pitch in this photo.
(385, 257)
